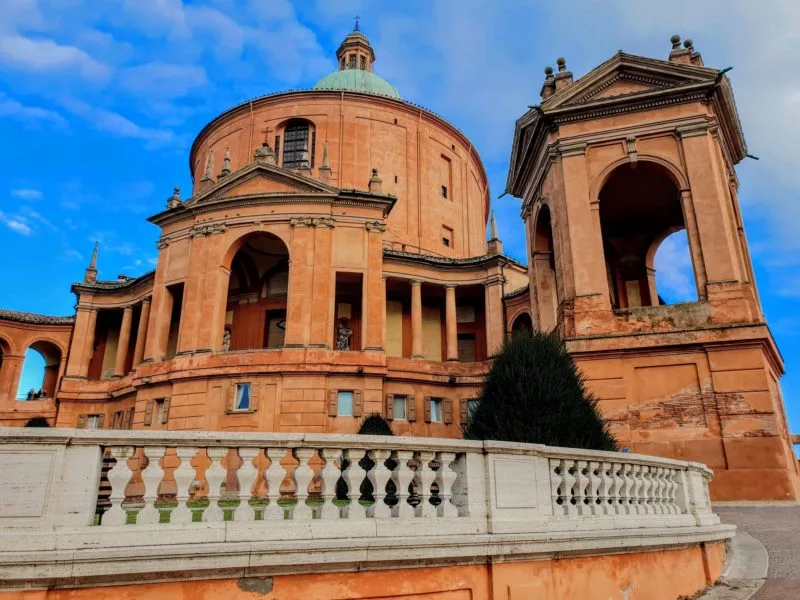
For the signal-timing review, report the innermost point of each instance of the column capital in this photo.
(415, 282)
(147, 300)
(128, 308)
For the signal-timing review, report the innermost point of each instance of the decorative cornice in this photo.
(328, 222)
(695, 130)
(162, 243)
(572, 149)
(375, 226)
(199, 230)
(478, 261)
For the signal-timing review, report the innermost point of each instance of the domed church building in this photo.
(331, 262)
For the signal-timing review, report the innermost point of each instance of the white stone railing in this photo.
(209, 489)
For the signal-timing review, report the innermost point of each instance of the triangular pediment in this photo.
(261, 178)
(627, 76)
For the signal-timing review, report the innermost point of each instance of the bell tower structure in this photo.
(607, 167)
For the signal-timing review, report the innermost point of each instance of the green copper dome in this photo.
(357, 80)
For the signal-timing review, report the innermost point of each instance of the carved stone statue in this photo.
(226, 340)
(343, 335)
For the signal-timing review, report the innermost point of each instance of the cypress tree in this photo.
(535, 393)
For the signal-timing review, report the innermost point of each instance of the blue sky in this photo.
(100, 101)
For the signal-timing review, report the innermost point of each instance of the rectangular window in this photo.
(466, 347)
(363, 63)
(436, 410)
(447, 237)
(274, 328)
(242, 397)
(93, 422)
(472, 406)
(444, 191)
(345, 403)
(160, 407)
(352, 60)
(400, 407)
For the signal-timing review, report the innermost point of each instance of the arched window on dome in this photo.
(298, 145)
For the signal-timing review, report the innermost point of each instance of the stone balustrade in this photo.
(218, 501)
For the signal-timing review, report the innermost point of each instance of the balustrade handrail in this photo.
(206, 439)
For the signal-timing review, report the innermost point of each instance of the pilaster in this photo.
(124, 340)
(375, 289)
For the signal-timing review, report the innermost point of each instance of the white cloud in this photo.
(45, 55)
(163, 80)
(115, 124)
(15, 223)
(31, 114)
(27, 194)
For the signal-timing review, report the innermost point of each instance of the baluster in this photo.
(557, 484)
(151, 477)
(606, 489)
(403, 475)
(581, 485)
(621, 485)
(630, 499)
(118, 476)
(673, 476)
(446, 477)
(329, 476)
(660, 484)
(570, 479)
(303, 475)
(274, 475)
(353, 476)
(379, 475)
(184, 476)
(426, 477)
(595, 489)
(648, 490)
(215, 475)
(247, 477)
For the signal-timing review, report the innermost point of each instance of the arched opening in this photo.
(255, 314)
(522, 324)
(299, 144)
(671, 265)
(39, 371)
(639, 207)
(544, 271)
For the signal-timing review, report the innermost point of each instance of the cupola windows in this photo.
(296, 146)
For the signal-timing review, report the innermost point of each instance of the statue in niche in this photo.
(343, 335)
(226, 340)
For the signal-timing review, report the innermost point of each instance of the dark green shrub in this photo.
(535, 393)
(375, 424)
(37, 422)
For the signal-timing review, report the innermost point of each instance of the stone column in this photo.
(124, 340)
(82, 345)
(416, 319)
(494, 315)
(708, 181)
(194, 294)
(451, 323)
(583, 216)
(141, 332)
(375, 289)
(323, 285)
(161, 325)
(301, 278)
(9, 378)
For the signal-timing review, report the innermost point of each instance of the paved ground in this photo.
(778, 528)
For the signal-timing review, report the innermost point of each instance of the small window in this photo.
(466, 347)
(160, 414)
(447, 237)
(436, 410)
(93, 422)
(400, 407)
(242, 397)
(444, 191)
(363, 63)
(345, 404)
(472, 406)
(352, 60)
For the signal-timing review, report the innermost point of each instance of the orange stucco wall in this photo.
(660, 575)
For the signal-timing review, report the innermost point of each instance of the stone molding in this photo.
(375, 226)
(328, 222)
(162, 243)
(572, 149)
(199, 230)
